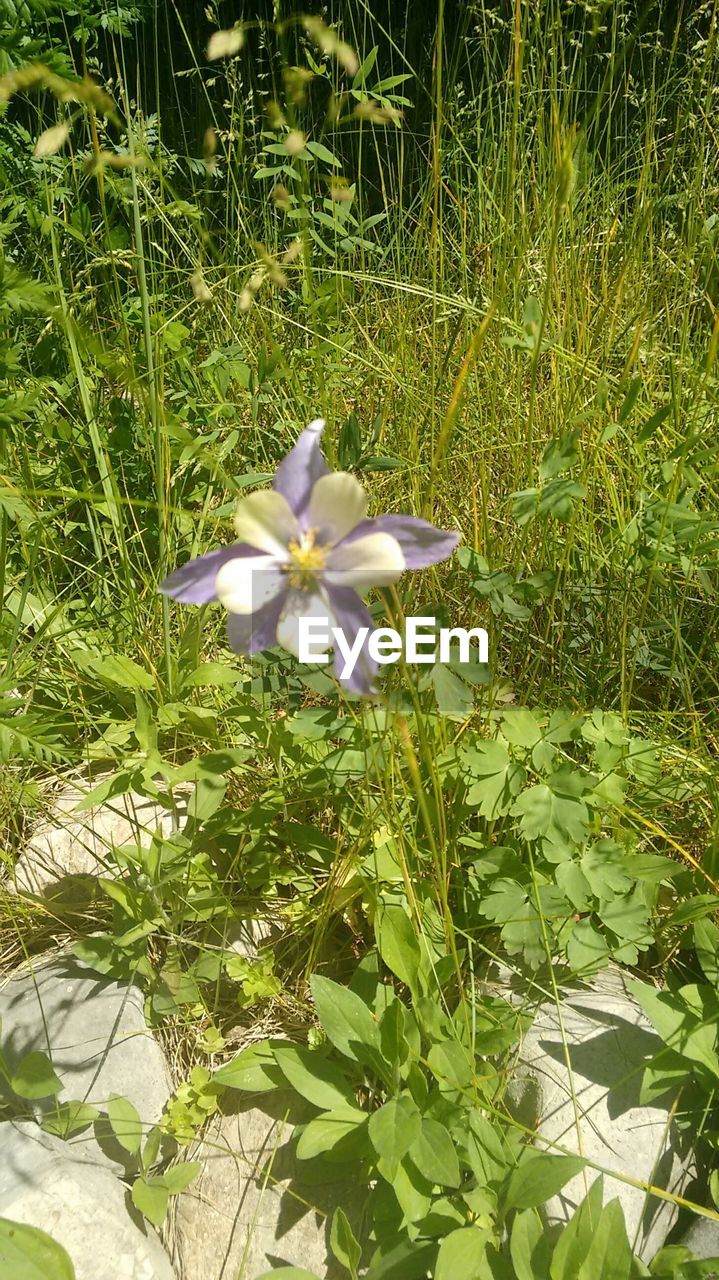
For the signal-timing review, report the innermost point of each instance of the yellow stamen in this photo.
(306, 560)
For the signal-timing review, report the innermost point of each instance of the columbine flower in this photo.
(307, 550)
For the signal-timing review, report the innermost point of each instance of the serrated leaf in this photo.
(587, 949)
(556, 815)
(498, 778)
(604, 866)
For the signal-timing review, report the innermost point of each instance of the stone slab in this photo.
(80, 1203)
(92, 1029)
(249, 1210)
(577, 1082)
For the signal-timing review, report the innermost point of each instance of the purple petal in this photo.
(298, 472)
(352, 615)
(194, 583)
(421, 542)
(250, 633)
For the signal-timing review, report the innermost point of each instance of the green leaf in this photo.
(485, 1150)
(322, 152)
(628, 917)
(499, 779)
(706, 942)
(560, 455)
(35, 1078)
(681, 1027)
(211, 673)
(434, 1154)
(408, 1260)
(451, 1064)
(151, 1149)
(538, 1177)
(587, 949)
(316, 1079)
(125, 1122)
(27, 1253)
(207, 797)
(573, 1245)
(116, 785)
(454, 699)
(343, 1243)
(556, 814)
(397, 943)
(630, 399)
(394, 1128)
(605, 868)
(179, 1177)
(69, 1118)
(395, 1048)
(413, 1192)
(345, 1018)
(329, 1131)
(255, 1069)
(151, 1197)
(521, 727)
(289, 1273)
(120, 670)
(610, 1254)
(528, 1246)
(461, 1254)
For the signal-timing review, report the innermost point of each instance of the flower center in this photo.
(305, 561)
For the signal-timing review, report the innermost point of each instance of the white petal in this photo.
(337, 503)
(373, 561)
(243, 585)
(265, 520)
(301, 605)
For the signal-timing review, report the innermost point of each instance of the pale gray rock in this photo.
(77, 1200)
(68, 843)
(577, 1082)
(94, 1032)
(702, 1237)
(252, 1209)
